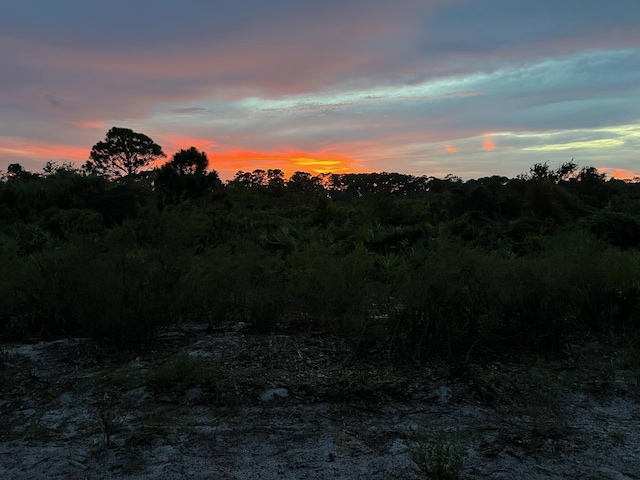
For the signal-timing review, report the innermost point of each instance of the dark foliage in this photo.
(402, 265)
(185, 177)
(123, 153)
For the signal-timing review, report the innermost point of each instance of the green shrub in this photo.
(119, 297)
(181, 370)
(460, 297)
(619, 229)
(184, 371)
(12, 272)
(330, 288)
(66, 224)
(439, 453)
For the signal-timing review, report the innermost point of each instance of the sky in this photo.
(472, 88)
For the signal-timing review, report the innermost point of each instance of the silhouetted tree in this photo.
(542, 171)
(124, 152)
(257, 178)
(566, 171)
(15, 170)
(185, 176)
(304, 183)
(275, 178)
(52, 168)
(190, 162)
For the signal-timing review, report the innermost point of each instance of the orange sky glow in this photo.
(619, 173)
(489, 144)
(51, 151)
(229, 162)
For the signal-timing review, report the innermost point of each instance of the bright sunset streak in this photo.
(228, 163)
(314, 161)
(452, 149)
(335, 163)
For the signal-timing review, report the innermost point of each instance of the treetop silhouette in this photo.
(123, 152)
(190, 162)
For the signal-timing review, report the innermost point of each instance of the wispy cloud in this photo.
(189, 110)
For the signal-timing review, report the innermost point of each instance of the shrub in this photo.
(457, 298)
(332, 289)
(619, 229)
(65, 224)
(181, 370)
(119, 297)
(439, 453)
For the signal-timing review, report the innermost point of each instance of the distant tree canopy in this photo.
(123, 152)
(268, 179)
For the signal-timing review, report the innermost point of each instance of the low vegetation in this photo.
(438, 453)
(403, 266)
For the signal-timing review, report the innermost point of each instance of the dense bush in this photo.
(119, 297)
(403, 266)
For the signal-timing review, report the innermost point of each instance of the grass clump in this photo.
(438, 453)
(182, 370)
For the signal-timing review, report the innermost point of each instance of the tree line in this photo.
(402, 265)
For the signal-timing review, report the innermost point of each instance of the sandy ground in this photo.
(203, 404)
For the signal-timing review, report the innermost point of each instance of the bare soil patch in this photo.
(224, 403)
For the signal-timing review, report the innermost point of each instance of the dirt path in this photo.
(225, 404)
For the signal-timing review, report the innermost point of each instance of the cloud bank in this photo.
(422, 87)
